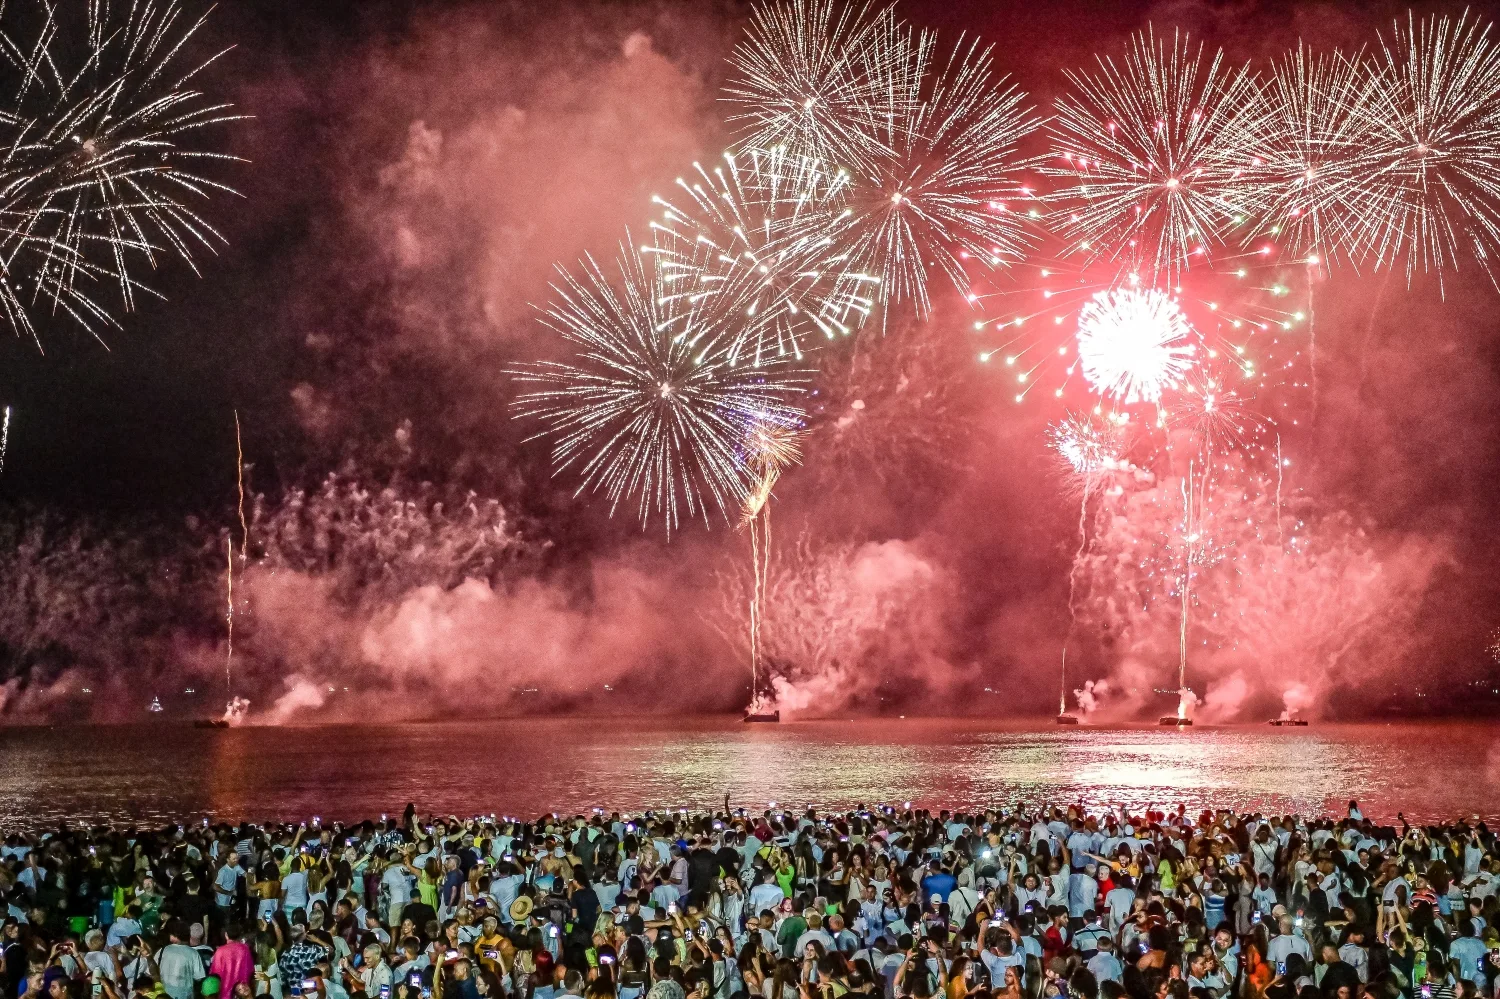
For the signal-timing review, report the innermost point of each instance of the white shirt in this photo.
(180, 967)
(100, 961)
(398, 890)
(294, 890)
(1119, 901)
(1105, 967)
(765, 896)
(1284, 944)
(120, 929)
(1357, 958)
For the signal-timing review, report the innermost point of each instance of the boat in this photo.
(1297, 722)
(763, 716)
(1067, 719)
(155, 704)
(1173, 721)
(210, 723)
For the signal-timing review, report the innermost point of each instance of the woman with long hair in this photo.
(634, 969)
(783, 983)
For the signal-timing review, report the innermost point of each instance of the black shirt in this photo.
(703, 867)
(420, 913)
(1340, 973)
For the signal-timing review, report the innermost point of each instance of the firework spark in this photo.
(812, 77)
(1153, 152)
(1134, 345)
(755, 234)
(103, 166)
(652, 406)
(940, 193)
(1430, 185)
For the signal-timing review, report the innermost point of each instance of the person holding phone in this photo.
(1291, 975)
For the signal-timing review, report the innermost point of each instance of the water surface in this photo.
(528, 766)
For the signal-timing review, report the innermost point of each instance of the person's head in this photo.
(55, 983)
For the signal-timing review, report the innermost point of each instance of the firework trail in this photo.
(4, 438)
(939, 195)
(1134, 345)
(1429, 188)
(755, 235)
(814, 77)
(771, 449)
(1089, 448)
(653, 407)
(1153, 153)
(102, 170)
(239, 481)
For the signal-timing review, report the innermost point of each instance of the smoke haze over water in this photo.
(417, 174)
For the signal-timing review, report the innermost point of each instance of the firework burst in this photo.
(1087, 445)
(755, 234)
(652, 407)
(939, 195)
(1429, 188)
(1307, 169)
(813, 76)
(1134, 345)
(1152, 154)
(103, 168)
(1216, 415)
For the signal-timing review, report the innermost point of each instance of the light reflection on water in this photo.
(527, 766)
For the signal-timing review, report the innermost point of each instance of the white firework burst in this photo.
(754, 237)
(641, 412)
(1429, 188)
(1153, 153)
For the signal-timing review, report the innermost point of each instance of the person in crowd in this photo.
(1022, 902)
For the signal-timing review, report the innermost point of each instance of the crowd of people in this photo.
(873, 903)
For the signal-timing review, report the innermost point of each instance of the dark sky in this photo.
(306, 295)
